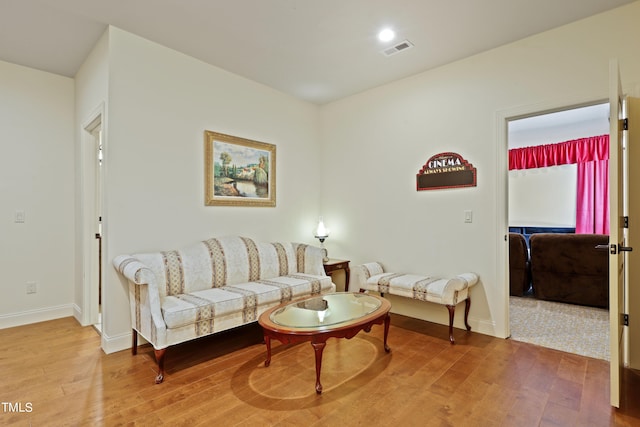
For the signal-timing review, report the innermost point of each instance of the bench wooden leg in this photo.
(452, 312)
(160, 359)
(467, 305)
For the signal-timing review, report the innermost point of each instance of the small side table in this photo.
(335, 265)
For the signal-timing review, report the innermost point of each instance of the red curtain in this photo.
(592, 157)
(592, 213)
(563, 153)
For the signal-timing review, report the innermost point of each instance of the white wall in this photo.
(523, 135)
(37, 177)
(381, 138)
(160, 104)
(546, 197)
(543, 197)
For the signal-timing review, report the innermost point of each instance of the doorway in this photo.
(92, 221)
(544, 200)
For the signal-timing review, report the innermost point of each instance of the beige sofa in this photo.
(214, 285)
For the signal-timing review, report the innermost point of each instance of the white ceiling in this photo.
(317, 51)
(598, 112)
(559, 126)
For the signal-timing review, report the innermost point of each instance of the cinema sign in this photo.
(446, 170)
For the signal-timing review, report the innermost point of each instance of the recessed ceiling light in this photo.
(386, 35)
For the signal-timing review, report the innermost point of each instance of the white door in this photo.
(617, 241)
(632, 150)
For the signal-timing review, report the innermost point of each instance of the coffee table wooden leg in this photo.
(387, 321)
(318, 347)
(267, 341)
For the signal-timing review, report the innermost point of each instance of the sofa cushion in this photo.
(218, 262)
(240, 260)
(568, 268)
(198, 306)
(307, 259)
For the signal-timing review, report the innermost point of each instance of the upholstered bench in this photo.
(446, 291)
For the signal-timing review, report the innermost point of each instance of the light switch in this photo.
(19, 216)
(468, 216)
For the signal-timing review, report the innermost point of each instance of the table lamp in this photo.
(322, 233)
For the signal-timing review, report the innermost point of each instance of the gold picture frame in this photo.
(238, 171)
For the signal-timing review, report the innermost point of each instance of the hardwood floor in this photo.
(54, 373)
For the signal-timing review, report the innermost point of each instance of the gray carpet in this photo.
(565, 327)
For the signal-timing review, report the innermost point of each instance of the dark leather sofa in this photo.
(519, 268)
(528, 230)
(568, 268)
(519, 259)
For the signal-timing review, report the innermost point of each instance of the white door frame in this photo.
(502, 179)
(88, 214)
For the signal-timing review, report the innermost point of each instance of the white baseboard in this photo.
(437, 313)
(77, 313)
(484, 326)
(34, 316)
(116, 343)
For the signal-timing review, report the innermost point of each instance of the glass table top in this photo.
(325, 310)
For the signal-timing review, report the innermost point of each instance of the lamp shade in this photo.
(321, 230)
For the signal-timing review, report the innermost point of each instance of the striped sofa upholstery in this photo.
(215, 285)
(446, 291)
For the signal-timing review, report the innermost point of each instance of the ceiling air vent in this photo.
(402, 46)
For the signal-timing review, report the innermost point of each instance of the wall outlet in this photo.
(19, 217)
(32, 287)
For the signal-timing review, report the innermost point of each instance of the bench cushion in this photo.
(449, 291)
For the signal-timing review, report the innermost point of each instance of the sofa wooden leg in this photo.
(467, 305)
(452, 311)
(134, 342)
(160, 359)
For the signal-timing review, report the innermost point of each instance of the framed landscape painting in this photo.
(238, 171)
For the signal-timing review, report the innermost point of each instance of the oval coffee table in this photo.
(318, 318)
